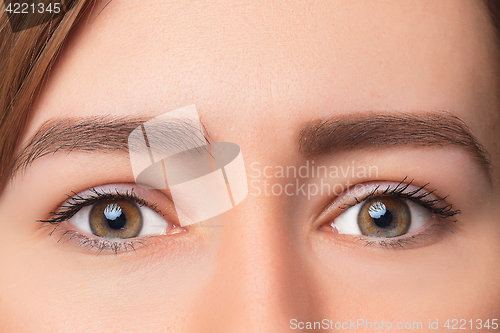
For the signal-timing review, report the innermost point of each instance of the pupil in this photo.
(115, 217)
(380, 215)
(384, 221)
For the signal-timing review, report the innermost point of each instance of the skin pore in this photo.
(259, 72)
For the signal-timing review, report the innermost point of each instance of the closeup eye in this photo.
(119, 219)
(381, 216)
(390, 214)
(115, 219)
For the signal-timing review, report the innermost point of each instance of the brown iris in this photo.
(115, 219)
(384, 217)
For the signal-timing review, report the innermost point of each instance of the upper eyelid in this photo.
(413, 239)
(357, 196)
(96, 196)
(89, 197)
(68, 232)
(388, 188)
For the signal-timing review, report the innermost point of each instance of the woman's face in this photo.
(290, 253)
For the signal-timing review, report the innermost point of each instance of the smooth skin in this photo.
(258, 72)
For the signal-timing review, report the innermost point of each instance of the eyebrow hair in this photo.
(384, 130)
(104, 133)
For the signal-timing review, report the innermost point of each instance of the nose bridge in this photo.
(259, 285)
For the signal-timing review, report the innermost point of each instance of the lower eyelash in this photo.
(99, 245)
(413, 240)
(438, 207)
(60, 217)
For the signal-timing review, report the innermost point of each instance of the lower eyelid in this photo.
(66, 233)
(430, 216)
(74, 227)
(432, 232)
(102, 245)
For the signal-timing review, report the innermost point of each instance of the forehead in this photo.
(306, 59)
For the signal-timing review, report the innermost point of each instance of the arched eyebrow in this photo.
(101, 134)
(383, 130)
(321, 137)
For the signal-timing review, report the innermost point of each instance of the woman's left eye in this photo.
(119, 219)
(383, 217)
(389, 214)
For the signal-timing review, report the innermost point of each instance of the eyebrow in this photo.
(321, 137)
(104, 134)
(384, 130)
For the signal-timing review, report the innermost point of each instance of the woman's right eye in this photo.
(114, 220)
(119, 219)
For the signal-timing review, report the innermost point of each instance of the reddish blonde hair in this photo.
(26, 58)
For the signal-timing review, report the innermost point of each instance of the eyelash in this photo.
(77, 202)
(445, 213)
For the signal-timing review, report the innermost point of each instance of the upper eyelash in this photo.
(77, 202)
(416, 196)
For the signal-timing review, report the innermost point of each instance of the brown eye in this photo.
(115, 219)
(384, 217)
